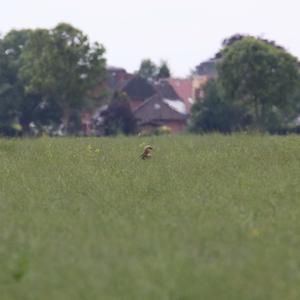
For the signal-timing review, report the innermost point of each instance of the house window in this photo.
(157, 106)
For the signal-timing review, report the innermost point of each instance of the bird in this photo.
(147, 152)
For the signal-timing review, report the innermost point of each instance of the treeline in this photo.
(48, 79)
(257, 87)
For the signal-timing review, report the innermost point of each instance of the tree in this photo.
(17, 106)
(11, 91)
(258, 75)
(238, 37)
(62, 66)
(118, 118)
(147, 69)
(214, 113)
(163, 71)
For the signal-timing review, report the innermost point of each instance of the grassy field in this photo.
(208, 217)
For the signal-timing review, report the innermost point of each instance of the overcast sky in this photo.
(182, 32)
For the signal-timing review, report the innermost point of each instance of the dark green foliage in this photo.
(293, 109)
(260, 76)
(12, 92)
(42, 113)
(163, 71)
(214, 113)
(17, 105)
(257, 87)
(46, 75)
(149, 70)
(238, 37)
(118, 118)
(61, 64)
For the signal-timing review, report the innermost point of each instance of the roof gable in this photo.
(138, 89)
(184, 89)
(166, 91)
(155, 108)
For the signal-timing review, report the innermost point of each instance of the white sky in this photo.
(182, 32)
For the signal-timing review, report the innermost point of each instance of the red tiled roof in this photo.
(184, 89)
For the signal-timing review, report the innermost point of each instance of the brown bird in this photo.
(147, 152)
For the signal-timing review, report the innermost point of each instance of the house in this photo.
(184, 89)
(117, 77)
(198, 84)
(155, 104)
(158, 111)
(189, 89)
(165, 89)
(138, 89)
(166, 102)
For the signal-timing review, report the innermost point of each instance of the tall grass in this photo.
(208, 217)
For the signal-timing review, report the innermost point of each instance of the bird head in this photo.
(148, 147)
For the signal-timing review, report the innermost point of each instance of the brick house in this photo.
(158, 111)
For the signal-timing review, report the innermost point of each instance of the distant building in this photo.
(189, 90)
(198, 84)
(117, 77)
(166, 90)
(184, 90)
(157, 111)
(165, 102)
(207, 68)
(138, 89)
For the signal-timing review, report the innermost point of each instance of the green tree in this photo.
(163, 71)
(11, 88)
(17, 106)
(259, 75)
(214, 113)
(62, 66)
(118, 118)
(148, 69)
